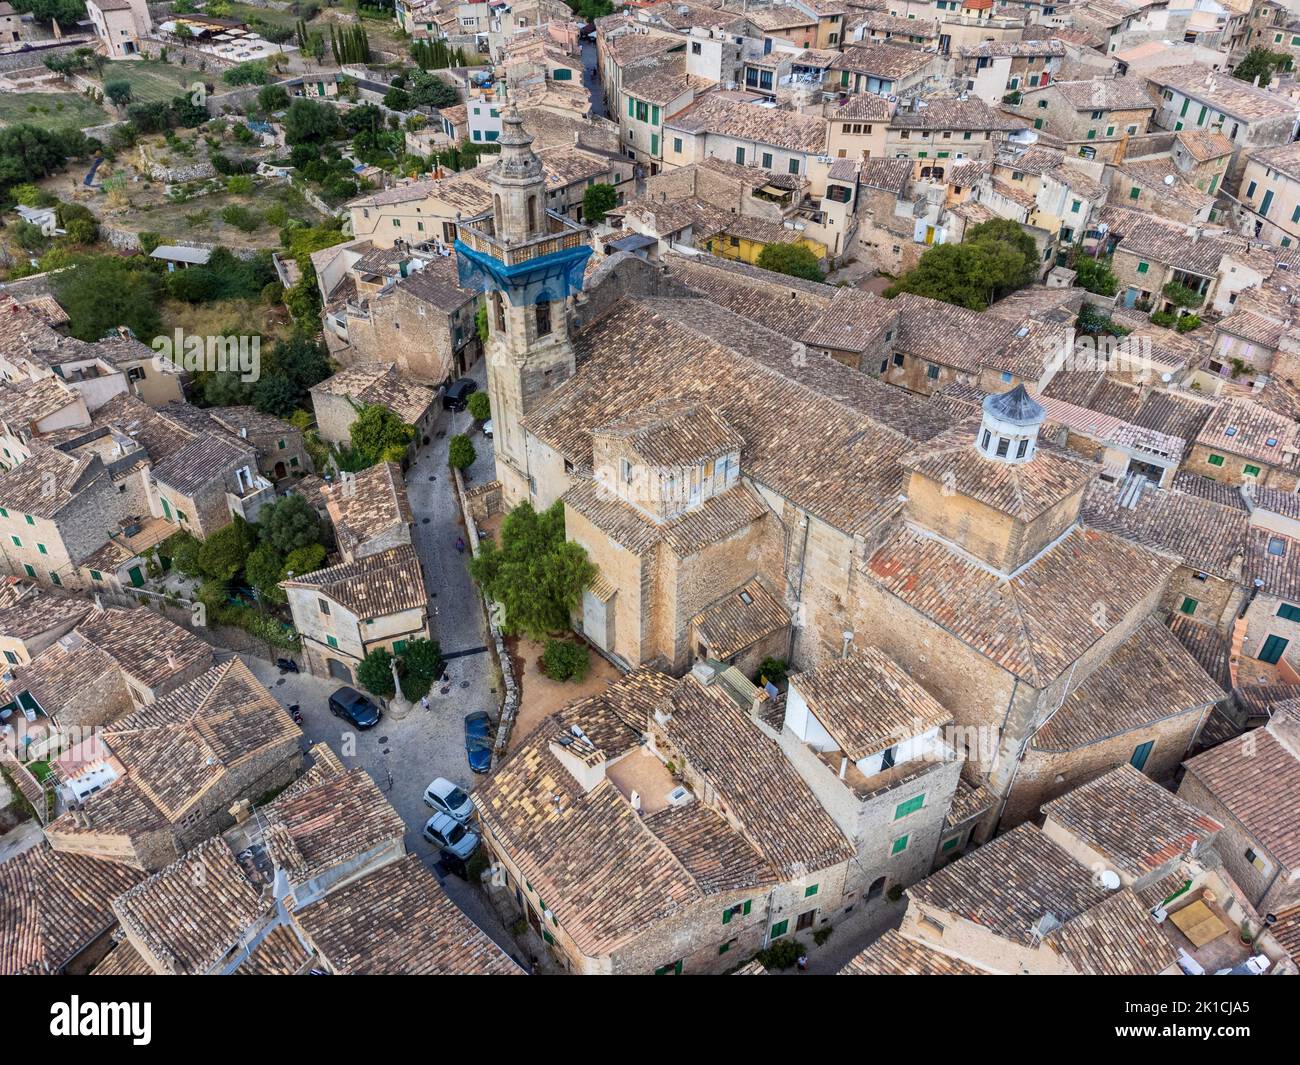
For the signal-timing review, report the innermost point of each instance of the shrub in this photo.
(1162, 318)
(565, 660)
(420, 665)
(460, 452)
(239, 185)
(118, 91)
(241, 217)
(375, 673)
(781, 955)
(480, 407)
(774, 670)
(1187, 323)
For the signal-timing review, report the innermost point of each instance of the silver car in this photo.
(444, 797)
(446, 832)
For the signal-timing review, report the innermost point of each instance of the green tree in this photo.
(419, 665)
(272, 98)
(290, 524)
(481, 324)
(265, 569)
(304, 560)
(183, 549)
(223, 553)
(377, 435)
(429, 90)
(118, 91)
(598, 201)
(460, 452)
(480, 407)
(1260, 63)
(65, 12)
(375, 673)
(996, 258)
(565, 660)
(1095, 275)
(795, 260)
(308, 122)
(535, 574)
(102, 292)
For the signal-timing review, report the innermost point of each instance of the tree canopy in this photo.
(291, 524)
(796, 260)
(1260, 63)
(102, 292)
(536, 574)
(377, 435)
(996, 258)
(597, 201)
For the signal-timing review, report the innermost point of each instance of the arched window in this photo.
(543, 311)
(496, 214)
(498, 306)
(532, 215)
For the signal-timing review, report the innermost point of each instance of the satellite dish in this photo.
(1109, 879)
(1169, 179)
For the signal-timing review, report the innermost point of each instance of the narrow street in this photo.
(404, 756)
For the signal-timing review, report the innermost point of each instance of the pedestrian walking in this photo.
(460, 545)
(803, 963)
(424, 701)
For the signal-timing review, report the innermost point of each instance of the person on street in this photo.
(460, 545)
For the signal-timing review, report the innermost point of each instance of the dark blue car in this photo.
(351, 705)
(478, 741)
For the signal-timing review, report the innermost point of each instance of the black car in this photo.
(458, 392)
(351, 705)
(478, 741)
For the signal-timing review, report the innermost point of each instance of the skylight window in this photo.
(1271, 442)
(1276, 546)
(1230, 431)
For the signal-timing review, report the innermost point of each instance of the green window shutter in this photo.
(55, 578)
(41, 549)
(725, 947)
(1250, 471)
(1183, 112)
(281, 445)
(910, 806)
(1134, 193)
(1092, 134)
(4, 513)
(11, 658)
(899, 846)
(1143, 267)
(654, 143)
(95, 575)
(1289, 612)
(1215, 460)
(399, 646)
(1074, 206)
(17, 542)
(948, 844)
(677, 144)
(1189, 605)
(293, 462)
(548, 937)
(654, 116)
(30, 519)
(331, 641)
(726, 916)
(1110, 131)
(748, 903)
(1201, 117)
(631, 108)
(922, 155)
(1295, 215)
(30, 572)
(779, 929)
(810, 891)
(844, 77)
(943, 155)
(1038, 123)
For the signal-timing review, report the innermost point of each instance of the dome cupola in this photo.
(1009, 431)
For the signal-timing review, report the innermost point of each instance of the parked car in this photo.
(445, 797)
(351, 705)
(458, 392)
(444, 831)
(478, 741)
(487, 427)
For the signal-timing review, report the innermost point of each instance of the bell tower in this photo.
(528, 260)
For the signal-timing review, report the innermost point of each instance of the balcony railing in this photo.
(479, 234)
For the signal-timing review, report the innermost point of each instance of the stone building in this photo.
(1123, 879)
(345, 611)
(1245, 784)
(369, 510)
(163, 779)
(210, 479)
(683, 853)
(31, 619)
(279, 445)
(339, 399)
(1090, 118)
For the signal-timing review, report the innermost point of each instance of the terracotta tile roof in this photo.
(149, 648)
(1150, 237)
(203, 460)
(1226, 495)
(49, 481)
(951, 112)
(1148, 678)
(763, 793)
(715, 518)
(1273, 560)
(717, 857)
(883, 60)
(694, 350)
(753, 293)
(1240, 99)
(367, 504)
(52, 905)
(740, 619)
(279, 953)
(892, 955)
(1117, 937)
(1022, 490)
(380, 384)
(752, 122)
(890, 175)
(1136, 825)
(1248, 775)
(969, 802)
(1205, 644)
(336, 821)
(193, 912)
(1243, 428)
(867, 702)
(1009, 884)
(25, 403)
(26, 610)
(398, 920)
(1285, 159)
(1102, 94)
(863, 106)
(1203, 534)
(372, 586)
(123, 960)
(1035, 624)
(854, 321)
(674, 433)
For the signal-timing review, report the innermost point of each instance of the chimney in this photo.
(848, 642)
(584, 761)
